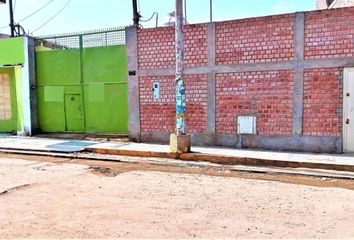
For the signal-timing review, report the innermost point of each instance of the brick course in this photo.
(156, 47)
(266, 94)
(255, 40)
(323, 102)
(329, 34)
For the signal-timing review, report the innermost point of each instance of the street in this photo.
(46, 197)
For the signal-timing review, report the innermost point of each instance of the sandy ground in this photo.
(55, 199)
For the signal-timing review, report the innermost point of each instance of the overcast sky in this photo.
(81, 15)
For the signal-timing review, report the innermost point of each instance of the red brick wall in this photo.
(323, 102)
(254, 40)
(156, 47)
(329, 34)
(157, 115)
(266, 94)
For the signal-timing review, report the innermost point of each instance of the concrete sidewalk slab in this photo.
(217, 155)
(43, 144)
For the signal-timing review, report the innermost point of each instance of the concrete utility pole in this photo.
(180, 85)
(180, 142)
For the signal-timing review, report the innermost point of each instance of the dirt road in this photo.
(54, 198)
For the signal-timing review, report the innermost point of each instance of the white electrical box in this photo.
(156, 89)
(246, 125)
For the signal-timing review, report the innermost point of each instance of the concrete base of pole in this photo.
(180, 144)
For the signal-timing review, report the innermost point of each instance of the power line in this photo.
(39, 9)
(30, 15)
(4, 27)
(50, 19)
(15, 6)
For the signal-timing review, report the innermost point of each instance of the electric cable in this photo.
(15, 4)
(156, 21)
(33, 13)
(39, 9)
(149, 18)
(55, 15)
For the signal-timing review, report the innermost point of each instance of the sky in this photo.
(83, 15)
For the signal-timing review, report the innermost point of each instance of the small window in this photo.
(5, 97)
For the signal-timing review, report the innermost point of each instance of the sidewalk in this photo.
(218, 155)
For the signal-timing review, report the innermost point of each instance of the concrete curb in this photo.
(259, 169)
(219, 159)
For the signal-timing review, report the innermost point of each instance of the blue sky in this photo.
(81, 15)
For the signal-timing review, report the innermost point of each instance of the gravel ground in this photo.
(48, 199)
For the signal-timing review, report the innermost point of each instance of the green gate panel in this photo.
(105, 64)
(10, 125)
(96, 92)
(110, 115)
(58, 67)
(53, 93)
(52, 114)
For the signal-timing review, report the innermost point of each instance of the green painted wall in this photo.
(11, 51)
(99, 80)
(11, 125)
(19, 102)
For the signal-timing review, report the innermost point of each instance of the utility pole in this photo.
(136, 15)
(180, 142)
(12, 22)
(185, 11)
(211, 10)
(180, 85)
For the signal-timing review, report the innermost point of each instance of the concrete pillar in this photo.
(133, 84)
(28, 92)
(33, 84)
(298, 91)
(211, 112)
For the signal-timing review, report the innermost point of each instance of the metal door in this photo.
(348, 110)
(73, 113)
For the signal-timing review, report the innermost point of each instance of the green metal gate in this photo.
(81, 82)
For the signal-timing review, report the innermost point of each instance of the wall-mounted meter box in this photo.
(246, 125)
(156, 89)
